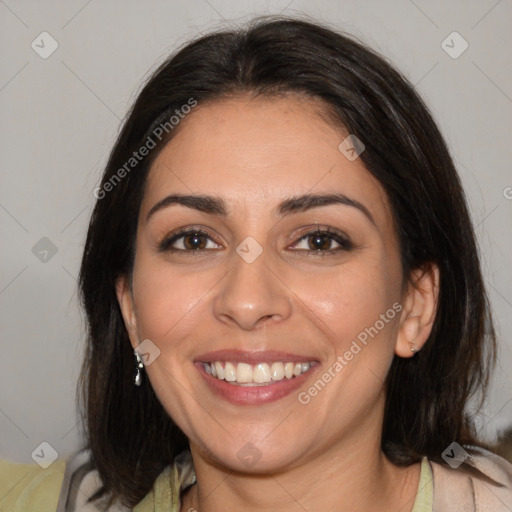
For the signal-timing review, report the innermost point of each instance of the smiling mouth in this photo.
(261, 374)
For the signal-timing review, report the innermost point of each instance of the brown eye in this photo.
(194, 241)
(187, 241)
(321, 241)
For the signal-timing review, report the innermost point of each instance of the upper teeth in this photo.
(248, 374)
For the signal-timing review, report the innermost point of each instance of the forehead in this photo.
(260, 150)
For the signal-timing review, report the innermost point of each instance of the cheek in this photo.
(168, 300)
(351, 300)
(169, 305)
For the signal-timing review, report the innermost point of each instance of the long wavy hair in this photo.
(130, 435)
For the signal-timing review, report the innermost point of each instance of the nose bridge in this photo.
(251, 291)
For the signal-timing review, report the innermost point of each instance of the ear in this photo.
(125, 299)
(419, 312)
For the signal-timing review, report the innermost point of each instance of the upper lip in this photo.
(253, 357)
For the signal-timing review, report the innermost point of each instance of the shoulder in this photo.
(81, 481)
(482, 482)
(64, 486)
(29, 487)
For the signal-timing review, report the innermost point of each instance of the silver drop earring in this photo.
(139, 365)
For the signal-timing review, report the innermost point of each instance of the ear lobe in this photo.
(418, 315)
(125, 300)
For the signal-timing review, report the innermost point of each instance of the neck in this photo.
(349, 476)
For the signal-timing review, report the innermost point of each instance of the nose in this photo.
(252, 295)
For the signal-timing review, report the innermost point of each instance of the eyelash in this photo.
(344, 243)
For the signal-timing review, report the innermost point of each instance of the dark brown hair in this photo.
(130, 435)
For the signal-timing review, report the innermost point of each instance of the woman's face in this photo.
(268, 291)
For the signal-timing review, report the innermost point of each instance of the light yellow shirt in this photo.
(424, 501)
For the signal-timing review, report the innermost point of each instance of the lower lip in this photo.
(254, 395)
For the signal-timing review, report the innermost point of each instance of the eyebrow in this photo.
(216, 206)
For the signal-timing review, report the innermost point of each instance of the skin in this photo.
(254, 153)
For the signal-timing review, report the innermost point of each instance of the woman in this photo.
(284, 299)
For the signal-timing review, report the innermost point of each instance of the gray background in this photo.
(60, 116)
